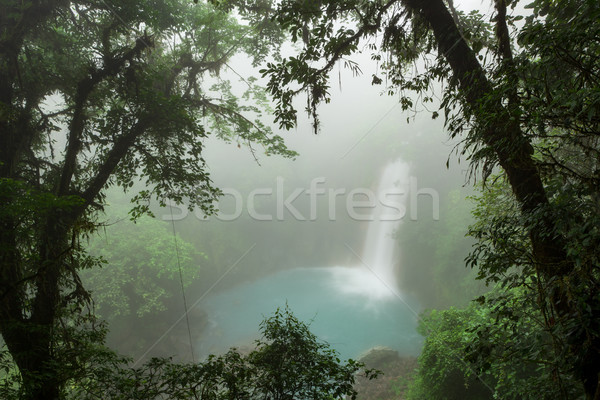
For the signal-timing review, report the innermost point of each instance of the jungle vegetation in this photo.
(101, 94)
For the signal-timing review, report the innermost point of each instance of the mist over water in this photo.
(350, 277)
(353, 308)
(392, 193)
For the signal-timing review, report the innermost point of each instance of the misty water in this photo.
(352, 307)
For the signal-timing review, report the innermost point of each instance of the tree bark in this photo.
(29, 305)
(502, 134)
(29, 340)
(514, 152)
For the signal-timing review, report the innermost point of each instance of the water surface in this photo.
(350, 320)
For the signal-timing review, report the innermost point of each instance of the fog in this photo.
(281, 217)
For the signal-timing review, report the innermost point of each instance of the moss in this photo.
(397, 373)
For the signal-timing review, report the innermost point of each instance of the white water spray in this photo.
(375, 277)
(392, 193)
(354, 307)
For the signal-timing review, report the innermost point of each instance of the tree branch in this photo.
(502, 135)
(114, 156)
(502, 31)
(84, 89)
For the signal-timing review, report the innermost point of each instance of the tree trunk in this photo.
(30, 347)
(501, 134)
(513, 150)
(30, 338)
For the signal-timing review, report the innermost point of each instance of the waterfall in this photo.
(375, 277)
(392, 193)
(356, 307)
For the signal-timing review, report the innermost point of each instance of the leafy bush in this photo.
(141, 270)
(497, 348)
(442, 373)
(289, 362)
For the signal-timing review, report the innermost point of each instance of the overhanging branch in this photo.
(84, 89)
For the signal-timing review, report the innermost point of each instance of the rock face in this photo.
(379, 356)
(392, 384)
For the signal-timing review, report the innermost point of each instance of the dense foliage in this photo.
(521, 91)
(96, 94)
(497, 348)
(144, 271)
(288, 363)
(141, 264)
(102, 93)
(442, 372)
